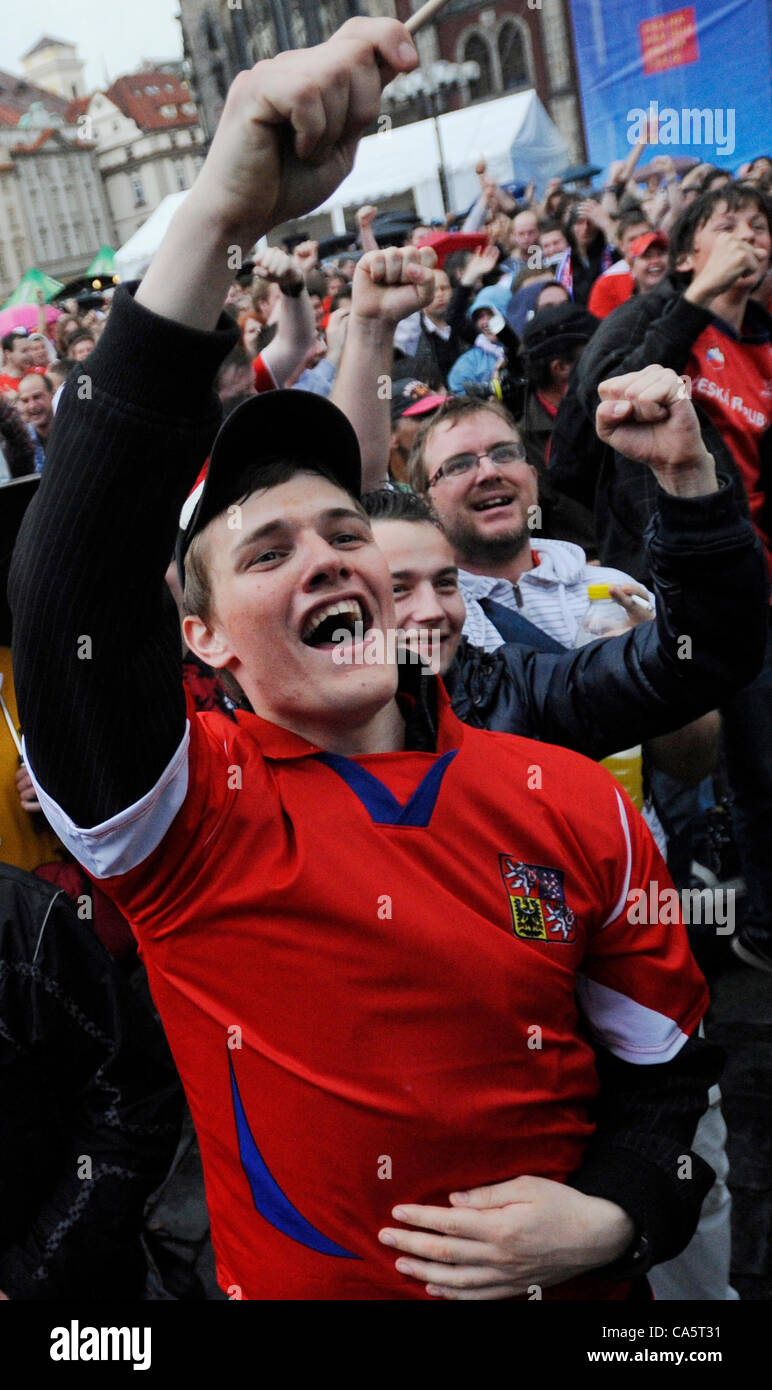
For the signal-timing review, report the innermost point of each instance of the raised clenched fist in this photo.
(648, 416)
(392, 283)
(278, 266)
(289, 130)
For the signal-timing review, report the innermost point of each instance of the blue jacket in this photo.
(476, 365)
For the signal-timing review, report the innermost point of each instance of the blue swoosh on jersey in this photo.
(271, 1202)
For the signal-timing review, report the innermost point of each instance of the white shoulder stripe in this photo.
(630, 1030)
(126, 839)
(622, 899)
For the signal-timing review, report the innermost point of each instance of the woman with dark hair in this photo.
(555, 199)
(17, 452)
(590, 252)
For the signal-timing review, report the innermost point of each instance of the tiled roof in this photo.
(153, 99)
(18, 94)
(43, 136)
(77, 107)
(36, 144)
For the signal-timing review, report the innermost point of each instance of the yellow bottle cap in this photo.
(598, 591)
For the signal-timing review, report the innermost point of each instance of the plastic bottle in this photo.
(605, 617)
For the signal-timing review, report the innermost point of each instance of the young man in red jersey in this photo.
(368, 928)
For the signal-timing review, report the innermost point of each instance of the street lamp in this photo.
(431, 83)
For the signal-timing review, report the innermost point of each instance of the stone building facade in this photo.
(54, 64)
(53, 209)
(220, 39)
(148, 139)
(516, 44)
(60, 194)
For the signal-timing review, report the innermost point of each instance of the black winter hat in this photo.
(556, 328)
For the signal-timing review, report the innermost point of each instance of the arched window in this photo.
(477, 51)
(512, 57)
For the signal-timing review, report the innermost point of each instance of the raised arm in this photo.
(97, 646)
(295, 327)
(364, 218)
(619, 176)
(388, 286)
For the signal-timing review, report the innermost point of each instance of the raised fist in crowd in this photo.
(389, 285)
(279, 267)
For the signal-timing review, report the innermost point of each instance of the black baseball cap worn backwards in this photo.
(277, 425)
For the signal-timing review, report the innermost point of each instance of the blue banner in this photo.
(699, 74)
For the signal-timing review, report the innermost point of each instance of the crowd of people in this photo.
(391, 946)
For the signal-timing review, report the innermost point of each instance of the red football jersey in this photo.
(262, 373)
(373, 974)
(732, 383)
(609, 291)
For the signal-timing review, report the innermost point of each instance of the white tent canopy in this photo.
(514, 134)
(134, 257)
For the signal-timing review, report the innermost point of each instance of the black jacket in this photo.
(710, 578)
(86, 1078)
(660, 327)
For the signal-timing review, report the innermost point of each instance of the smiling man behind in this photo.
(471, 464)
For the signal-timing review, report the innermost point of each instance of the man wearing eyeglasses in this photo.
(470, 462)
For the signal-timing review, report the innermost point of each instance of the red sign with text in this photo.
(669, 41)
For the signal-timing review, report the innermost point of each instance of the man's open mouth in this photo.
(340, 615)
(489, 503)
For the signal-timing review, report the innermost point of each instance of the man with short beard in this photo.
(470, 461)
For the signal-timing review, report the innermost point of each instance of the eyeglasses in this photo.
(500, 456)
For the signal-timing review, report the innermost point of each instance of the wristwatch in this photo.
(294, 290)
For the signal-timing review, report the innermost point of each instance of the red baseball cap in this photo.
(640, 246)
(443, 243)
(423, 406)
